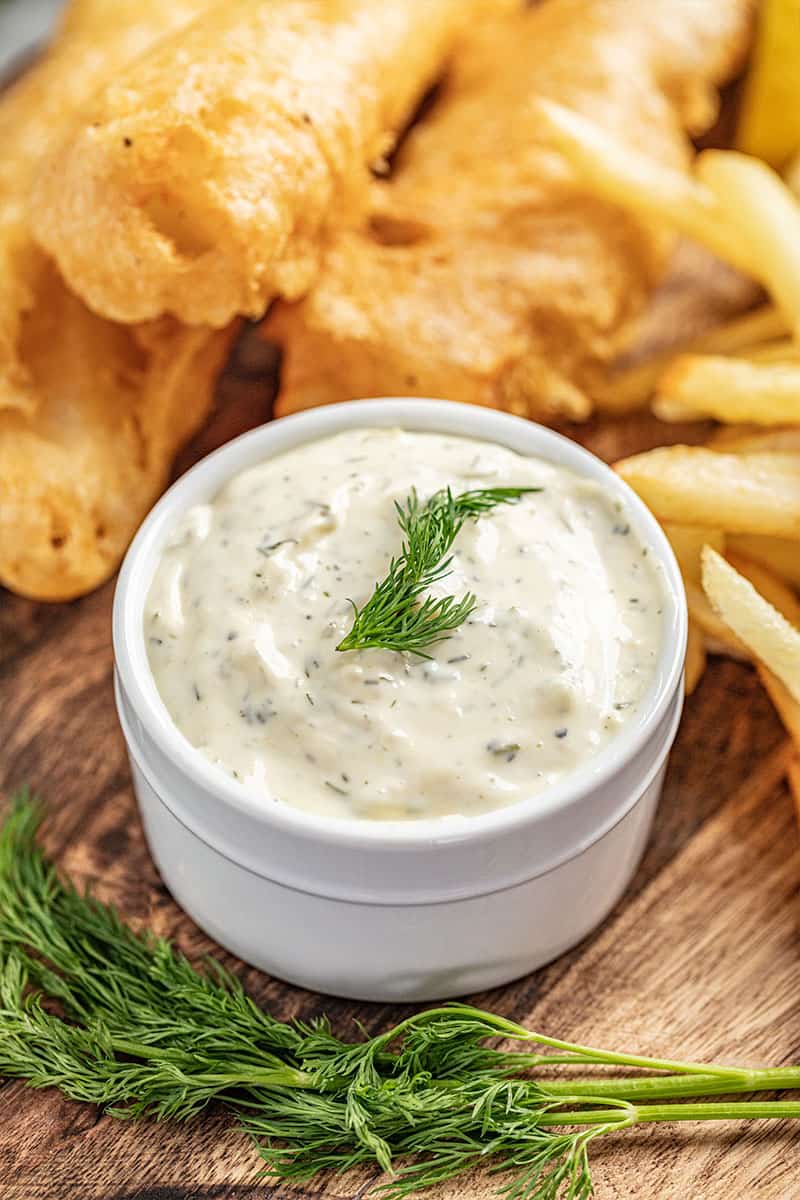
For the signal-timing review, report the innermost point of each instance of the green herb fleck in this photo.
(506, 750)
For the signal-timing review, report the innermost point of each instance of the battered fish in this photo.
(91, 413)
(115, 404)
(207, 170)
(483, 273)
(95, 40)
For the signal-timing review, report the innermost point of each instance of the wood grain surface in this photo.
(700, 959)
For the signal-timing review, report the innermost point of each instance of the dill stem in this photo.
(584, 1054)
(235, 1074)
(676, 1086)
(648, 1114)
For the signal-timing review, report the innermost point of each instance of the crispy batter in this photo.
(91, 413)
(207, 170)
(95, 40)
(115, 405)
(483, 273)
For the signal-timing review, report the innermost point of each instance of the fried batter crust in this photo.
(482, 272)
(91, 413)
(210, 167)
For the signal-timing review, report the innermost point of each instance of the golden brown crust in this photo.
(115, 405)
(209, 168)
(482, 272)
(95, 40)
(91, 413)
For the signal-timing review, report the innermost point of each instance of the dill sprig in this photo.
(120, 1019)
(396, 617)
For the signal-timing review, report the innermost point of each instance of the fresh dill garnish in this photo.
(140, 1031)
(396, 617)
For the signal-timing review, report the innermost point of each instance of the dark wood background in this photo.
(700, 960)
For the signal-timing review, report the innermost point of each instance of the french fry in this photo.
(747, 493)
(719, 639)
(783, 351)
(738, 335)
(630, 389)
(730, 437)
(672, 411)
(695, 658)
(793, 176)
(632, 180)
(737, 206)
(758, 205)
(753, 619)
(779, 555)
(744, 439)
(729, 389)
(779, 594)
(687, 542)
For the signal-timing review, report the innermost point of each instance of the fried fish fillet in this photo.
(91, 413)
(115, 403)
(482, 272)
(207, 170)
(95, 40)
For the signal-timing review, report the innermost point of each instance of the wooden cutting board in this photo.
(700, 960)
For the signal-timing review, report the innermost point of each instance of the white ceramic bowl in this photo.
(414, 910)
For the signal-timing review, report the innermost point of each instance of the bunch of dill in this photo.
(122, 1020)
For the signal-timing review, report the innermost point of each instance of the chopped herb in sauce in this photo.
(506, 750)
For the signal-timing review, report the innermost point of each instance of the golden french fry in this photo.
(729, 389)
(780, 555)
(783, 351)
(793, 176)
(751, 439)
(687, 542)
(786, 706)
(753, 619)
(737, 206)
(624, 176)
(672, 411)
(739, 335)
(630, 389)
(774, 589)
(719, 638)
(759, 207)
(729, 438)
(695, 658)
(741, 493)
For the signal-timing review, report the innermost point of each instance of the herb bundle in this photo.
(396, 617)
(120, 1019)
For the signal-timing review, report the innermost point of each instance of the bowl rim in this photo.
(414, 414)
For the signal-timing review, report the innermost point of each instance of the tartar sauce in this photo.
(251, 597)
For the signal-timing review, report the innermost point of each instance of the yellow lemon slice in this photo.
(769, 125)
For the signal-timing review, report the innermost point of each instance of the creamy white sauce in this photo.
(250, 599)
